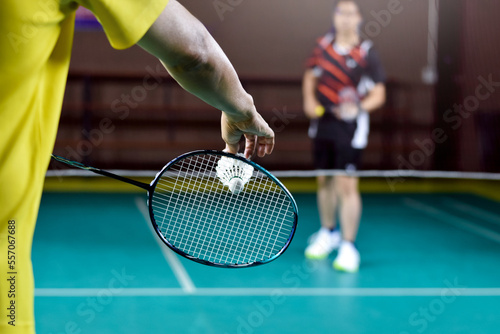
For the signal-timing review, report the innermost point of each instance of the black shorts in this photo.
(335, 154)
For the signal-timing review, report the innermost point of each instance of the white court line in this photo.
(451, 219)
(299, 292)
(177, 267)
(479, 213)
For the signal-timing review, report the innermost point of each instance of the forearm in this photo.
(309, 86)
(375, 99)
(216, 83)
(195, 60)
(309, 93)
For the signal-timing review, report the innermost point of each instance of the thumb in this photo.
(232, 148)
(231, 135)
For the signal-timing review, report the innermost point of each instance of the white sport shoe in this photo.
(322, 244)
(347, 258)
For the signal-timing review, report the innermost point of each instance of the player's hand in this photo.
(258, 135)
(313, 109)
(347, 111)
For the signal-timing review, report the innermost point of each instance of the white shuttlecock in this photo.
(234, 173)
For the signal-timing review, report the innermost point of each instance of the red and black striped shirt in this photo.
(359, 68)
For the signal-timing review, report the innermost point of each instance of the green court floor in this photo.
(430, 264)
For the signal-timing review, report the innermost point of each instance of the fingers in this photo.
(269, 145)
(265, 145)
(250, 144)
(265, 139)
(230, 134)
(259, 137)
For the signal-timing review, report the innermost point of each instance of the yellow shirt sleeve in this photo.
(125, 21)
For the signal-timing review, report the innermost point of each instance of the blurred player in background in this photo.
(35, 43)
(343, 83)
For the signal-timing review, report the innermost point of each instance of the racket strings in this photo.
(200, 217)
(262, 234)
(185, 207)
(273, 201)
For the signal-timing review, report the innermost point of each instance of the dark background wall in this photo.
(481, 59)
(271, 39)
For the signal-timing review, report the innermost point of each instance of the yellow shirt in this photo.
(35, 46)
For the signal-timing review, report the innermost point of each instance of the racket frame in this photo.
(254, 165)
(152, 186)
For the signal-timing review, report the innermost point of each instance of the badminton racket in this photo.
(217, 208)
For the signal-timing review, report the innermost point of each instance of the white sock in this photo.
(325, 230)
(348, 244)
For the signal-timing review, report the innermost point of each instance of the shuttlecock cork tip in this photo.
(236, 185)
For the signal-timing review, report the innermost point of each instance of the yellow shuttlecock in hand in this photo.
(233, 173)
(319, 111)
